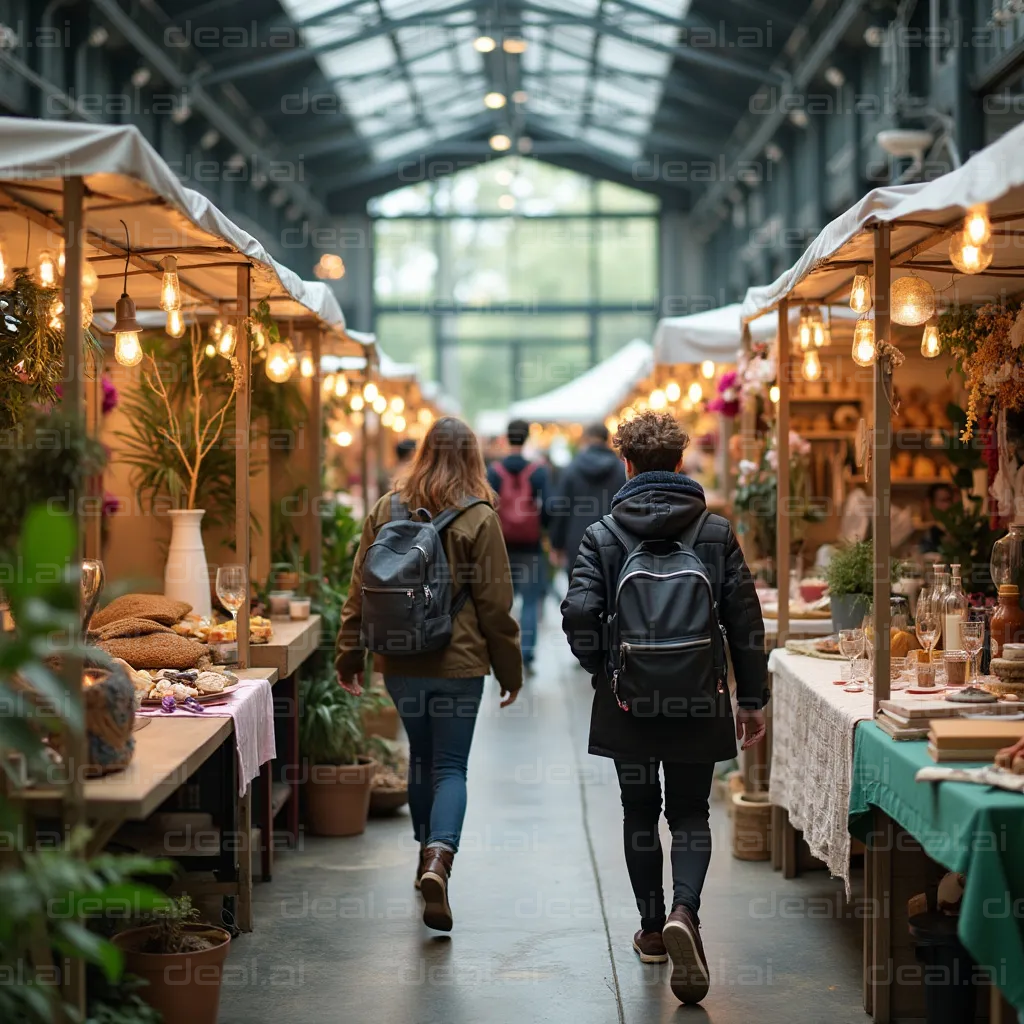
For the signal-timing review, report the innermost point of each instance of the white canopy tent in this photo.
(595, 394)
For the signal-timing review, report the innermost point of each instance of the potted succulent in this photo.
(337, 751)
(181, 960)
(851, 580)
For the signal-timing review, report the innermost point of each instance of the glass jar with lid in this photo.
(1007, 561)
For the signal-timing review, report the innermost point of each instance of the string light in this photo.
(56, 314)
(513, 44)
(500, 142)
(484, 44)
(912, 301)
(46, 273)
(695, 392)
(805, 333)
(328, 384)
(864, 342)
(967, 257)
(658, 399)
(175, 323)
(380, 403)
(90, 279)
(3, 262)
(357, 403)
(425, 416)
(398, 404)
(387, 418)
(370, 391)
(306, 367)
(293, 359)
(127, 347)
(216, 329)
(977, 226)
(170, 287)
(774, 394)
(211, 350)
(399, 424)
(228, 338)
(811, 368)
(930, 347)
(707, 369)
(343, 438)
(494, 100)
(340, 386)
(279, 368)
(860, 290)
(822, 334)
(673, 392)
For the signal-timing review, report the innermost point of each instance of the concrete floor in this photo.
(543, 910)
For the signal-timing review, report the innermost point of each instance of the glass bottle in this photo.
(937, 596)
(954, 611)
(1007, 559)
(1007, 625)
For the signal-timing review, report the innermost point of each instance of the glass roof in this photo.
(409, 75)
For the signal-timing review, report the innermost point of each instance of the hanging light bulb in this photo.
(811, 368)
(930, 347)
(370, 391)
(356, 404)
(3, 262)
(127, 347)
(805, 332)
(343, 438)
(226, 343)
(90, 279)
(774, 394)
(425, 416)
(821, 335)
(673, 391)
(397, 404)
(611, 424)
(293, 359)
(977, 227)
(56, 314)
(864, 342)
(211, 350)
(380, 403)
(967, 257)
(399, 424)
(306, 367)
(175, 323)
(87, 312)
(387, 418)
(658, 399)
(860, 290)
(356, 419)
(695, 392)
(47, 273)
(328, 384)
(278, 367)
(707, 369)
(216, 329)
(340, 386)
(170, 287)
(911, 300)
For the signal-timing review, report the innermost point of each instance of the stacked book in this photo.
(908, 718)
(965, 739)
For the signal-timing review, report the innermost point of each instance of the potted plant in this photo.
(337, 750)
(390, 785)
(181, 960)
(380, 716)
(851, 581)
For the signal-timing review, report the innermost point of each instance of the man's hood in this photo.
(597, 463)
(658, 504)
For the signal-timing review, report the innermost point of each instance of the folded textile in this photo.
(988, 775)
(141, 606)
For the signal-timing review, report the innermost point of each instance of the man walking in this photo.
(585, 493)
(522, 488)
(658, 590)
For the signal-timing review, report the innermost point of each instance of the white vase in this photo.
(187, 576)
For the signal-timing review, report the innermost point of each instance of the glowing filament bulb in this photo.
(370, 391)
(175, 323)
(864, 343)
(279, 367)
(977, 226)
(226, 342)
(397, 404)
(380, 403)
(127, 349)
(820, 334)
(170, 288)
(774, 394)
(658, 399)
(340, 386)
(399, 424)
(806, 334)
(812, 365)
(707, 370)
(47, 272)
(211, 350)
(695, 392)
(930, 347)
(357, 403)
(673, 392)
(56, 314)
(216, 329)
(860, 291)
(328, 384)
(343, 438)
(306, 367)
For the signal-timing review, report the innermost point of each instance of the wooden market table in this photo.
(168, 752)
(290, 645)
(912, 828)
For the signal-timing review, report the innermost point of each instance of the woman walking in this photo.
(658, 589)
(438, 691)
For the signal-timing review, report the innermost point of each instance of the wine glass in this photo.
(232, 588)
(927, 629)
(972, 636)
(868, 627)
(860, 676)
(851, 646)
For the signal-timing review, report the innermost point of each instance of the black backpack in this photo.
(408, 606)
(666, 646)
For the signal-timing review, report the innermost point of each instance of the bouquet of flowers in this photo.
(727, 401)
(755, 372)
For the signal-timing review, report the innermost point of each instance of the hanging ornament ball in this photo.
(912, 301)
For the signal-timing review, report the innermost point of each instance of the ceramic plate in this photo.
(231, 680)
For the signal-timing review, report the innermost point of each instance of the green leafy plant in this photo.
(852, 569)
(331, 724)
(964, 456)
(967, 540)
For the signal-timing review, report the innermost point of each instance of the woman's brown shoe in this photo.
(421, 866)
(437, 913)
(691, 978)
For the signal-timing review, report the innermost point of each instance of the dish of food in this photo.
(205, 686)
(827, 645)
(260, 631)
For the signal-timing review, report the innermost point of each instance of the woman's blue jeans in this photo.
(439, 716)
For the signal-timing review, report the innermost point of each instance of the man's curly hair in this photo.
(651, 441)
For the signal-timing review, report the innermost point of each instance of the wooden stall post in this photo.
(93, 540)
(73, 404)
(782, 499)
(314, 454)
(242, 417)
(881, 470)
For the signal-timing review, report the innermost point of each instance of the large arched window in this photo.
(509, 278)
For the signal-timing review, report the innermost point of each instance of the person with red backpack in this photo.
(522, 489)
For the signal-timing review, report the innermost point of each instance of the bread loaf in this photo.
(157, 650)
(141, 606)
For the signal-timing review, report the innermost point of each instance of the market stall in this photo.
(901, 255)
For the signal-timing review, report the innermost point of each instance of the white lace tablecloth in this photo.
(813, 721)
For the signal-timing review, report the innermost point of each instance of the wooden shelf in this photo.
(289, 646)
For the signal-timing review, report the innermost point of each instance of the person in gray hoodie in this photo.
(585, 494)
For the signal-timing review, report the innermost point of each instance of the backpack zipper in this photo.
(666, 645)
(389, 590)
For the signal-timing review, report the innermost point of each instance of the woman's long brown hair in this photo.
(448, 467)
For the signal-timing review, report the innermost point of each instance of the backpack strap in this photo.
(398, 509)
(628, 542)
(445, 519)
(694, 535)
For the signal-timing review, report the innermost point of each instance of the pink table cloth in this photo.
(250, 706)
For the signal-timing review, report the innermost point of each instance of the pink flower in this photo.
(110, 395)
(772, 458)
(111, 504)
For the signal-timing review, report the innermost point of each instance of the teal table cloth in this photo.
(975, 830)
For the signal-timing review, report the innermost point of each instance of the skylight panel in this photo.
(400, 145)
(375, 54)
(614, 142)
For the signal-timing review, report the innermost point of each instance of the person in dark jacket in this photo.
(585, 493)
(659, 503)
(529, 567)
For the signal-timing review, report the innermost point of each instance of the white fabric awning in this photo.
(593, 395)
(126, 179)
(922, 216)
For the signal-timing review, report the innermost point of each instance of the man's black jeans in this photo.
(687, 789)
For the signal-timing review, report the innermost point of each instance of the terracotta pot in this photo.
(338, 797)
(183, 987)
(382, 723)
(288, 581)
(384, 802)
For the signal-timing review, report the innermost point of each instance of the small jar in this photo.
(299, 608)
(279, 601)
(1007, 625)
(956, 667)
(925, 671)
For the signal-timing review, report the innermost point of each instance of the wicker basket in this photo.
(384, 802)
(751, 826)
